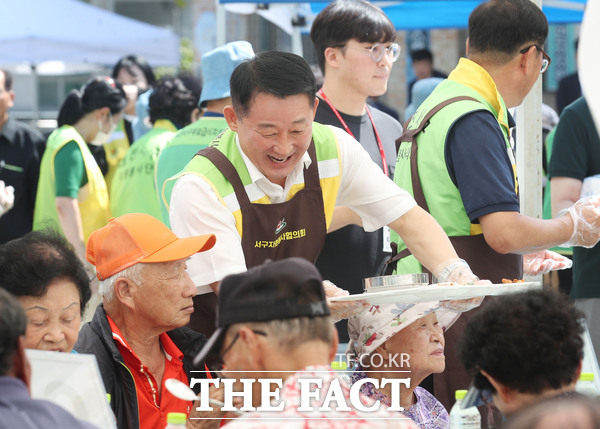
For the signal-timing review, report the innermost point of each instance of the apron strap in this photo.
(225, 166)
(311, 174)
(410, 135)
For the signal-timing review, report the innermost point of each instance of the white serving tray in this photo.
(436, 292)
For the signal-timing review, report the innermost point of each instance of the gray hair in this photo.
(288, 334)
(133, 273)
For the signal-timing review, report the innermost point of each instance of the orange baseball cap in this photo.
(138, 237)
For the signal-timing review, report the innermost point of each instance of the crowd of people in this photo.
(204, 219)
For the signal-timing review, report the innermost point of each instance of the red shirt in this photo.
(154, 405)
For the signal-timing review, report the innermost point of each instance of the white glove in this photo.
(458, 271)
(461, 305)
(586, 222)
(342, 310)
(455, 271)
(7, 197)
(543, 262)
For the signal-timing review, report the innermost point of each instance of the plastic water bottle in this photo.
(176, 420)
(586, 385)
(464, 418)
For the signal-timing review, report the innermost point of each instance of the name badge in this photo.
(387, 241)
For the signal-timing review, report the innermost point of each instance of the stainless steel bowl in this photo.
(400, 281)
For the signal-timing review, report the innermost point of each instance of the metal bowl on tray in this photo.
(399, 281)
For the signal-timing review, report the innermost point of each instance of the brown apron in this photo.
(484, 261)
(296, 227)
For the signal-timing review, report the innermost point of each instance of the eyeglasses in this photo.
(379, 49)
(216, 364)
(545, 62)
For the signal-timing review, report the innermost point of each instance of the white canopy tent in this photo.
(71, 31)
(76, 34)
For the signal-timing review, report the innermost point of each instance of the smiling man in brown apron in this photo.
(267, 186)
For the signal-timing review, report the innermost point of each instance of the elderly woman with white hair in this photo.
(386, 339)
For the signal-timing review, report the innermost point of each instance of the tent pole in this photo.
(221, 22)
(529, 151)
(298, 21)
(36, 98)
(297, 41)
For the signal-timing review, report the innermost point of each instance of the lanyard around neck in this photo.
(379, 144)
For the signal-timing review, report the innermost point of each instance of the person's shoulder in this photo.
(422, 393)
(476, 120)
(92, 331)
(576, 115)
(49, 414)
(20, 129)
(325, 115)
(384, 118)
(326, 135)
(64, 418)
(429, 401)
(580, 107)
(187, 340)
(88, 339)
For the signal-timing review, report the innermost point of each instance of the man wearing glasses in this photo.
(465, 173)
(354, 44)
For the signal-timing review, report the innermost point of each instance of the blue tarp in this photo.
(427, 14)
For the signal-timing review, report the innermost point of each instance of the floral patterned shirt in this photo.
(291, 417)
(427, 412)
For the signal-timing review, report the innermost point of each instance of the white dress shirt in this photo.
(195, 209)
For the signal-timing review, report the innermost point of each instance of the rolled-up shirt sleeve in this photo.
(195, 210)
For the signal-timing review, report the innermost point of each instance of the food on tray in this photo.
(513, 281)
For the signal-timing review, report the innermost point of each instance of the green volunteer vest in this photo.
(133, 186)
(442, 196)
(181, 149)
(115, 151)
(92, 198)
(326, 145)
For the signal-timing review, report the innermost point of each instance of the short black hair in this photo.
(129, 61)
(8, 80)
(191, 82)
(280, 74)
(421, 55)
(529, 342)
(28, 265)
(504, 26)
(98, 92)
(12, 326)
(344, 20)
(171, 100)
